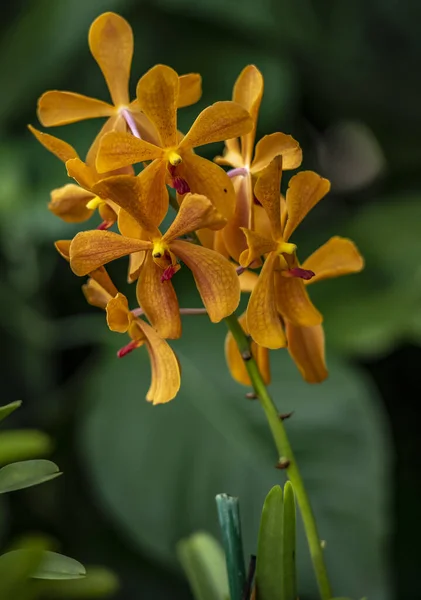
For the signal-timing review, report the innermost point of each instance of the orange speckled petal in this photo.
(248, 91)
(274, 145)
(190, 89)
(118, 149)
(111, 44)
(248, 280)
(158, 299)
(95, 294)
(118, 314)
(80, 172)
(267, 191)
(218, 122)
(263, 321)
(115, 123)
(59, 148)
(196, 212)
(293, 301)
(257, 246)
(339, 256)
(69, 203)
(216, 278)
(305, 190)
(60, 108)
(306, 346)
(157, 96)
(234, 237)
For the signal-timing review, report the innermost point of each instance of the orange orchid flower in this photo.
(157, 97)
(100, 291)
(280, 289)
(111, 44)
(215, 277)
(248, 92)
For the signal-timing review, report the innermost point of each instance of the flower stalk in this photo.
(286, 456)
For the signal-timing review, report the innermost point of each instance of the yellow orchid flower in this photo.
(280, 289)
(157, 97)
(111, 44)
(248, 92)
(215, 277)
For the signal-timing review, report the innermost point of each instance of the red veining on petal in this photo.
(128, 348)
(301, 273)
(169, 272)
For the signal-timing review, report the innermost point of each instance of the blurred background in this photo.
(343, 78)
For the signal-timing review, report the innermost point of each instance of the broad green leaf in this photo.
(228, 508)
(17, 476)
(203, 562)
(21, 444)
(210, 439)
(58, 566)
(98, 583)
(289, 550)
(16, 568)
(269, 566)
(7, 409)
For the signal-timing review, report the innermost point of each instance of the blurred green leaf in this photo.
(289, 538)
(16, 568)
(20, 475)
(58, 566)
(269, 566)
(20, 444)
(209, 438)
(98, 583)
(7, 409)
(203, 562)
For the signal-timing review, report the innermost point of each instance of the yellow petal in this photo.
(135, 263)
(293, 302)
(128, 192)
(219, 244)
(69, 203)
(118, 318)
(62, 150)
(248, 91)
(236, 363)
(257, 246)
(165, 381)
(221, 121)
(206, 178)
(159, 300)
(263, 321)
(230, 158)
(118, 150)
(306, 346)
(196, 212)
(216, 278)
(157, 95)
(92, 249)
(95, 294)
(61, 108)
(111, 44)
(80, 172)
(248, 280)
(267, 191)
(304, 191)
(63, 248)
(274, 145)
(115, 123)
(190, 89)
(339, 256)
(102, 278)
(234, 237)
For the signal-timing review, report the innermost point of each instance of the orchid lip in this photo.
(128, 348)
(305, 274)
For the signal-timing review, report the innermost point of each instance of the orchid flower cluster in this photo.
(232, 228)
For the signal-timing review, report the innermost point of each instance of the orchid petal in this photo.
(61, 108)
(234, 237)
(69, 203)
(248, 92)
(293, 301)
(59, 148)
(277, 144)
(305, 190)
(257, 246)
(118, 314)
(196, 212)
(267, 191)
(306, 346)
(338, 256)
(119, 149)
(95, 294)
(190, 89)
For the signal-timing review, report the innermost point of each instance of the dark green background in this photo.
(344, 79)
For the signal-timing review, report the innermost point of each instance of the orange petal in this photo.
(304, 191)
(95, 294)
(248, 280)
(216, 278)
(136, 195)
(115, 123)
(257, 246)
(234, 237)
(293, 301)
(118, 314)
(62, 150)
(207, 178)
(111, 44)
(61, 108)
(219, 244)
(196, 212)
(165, 381)
(101, 276)
(118, 150)
(69, 203)
(92, 249)
(277, 144)
(263, 321)
(339, 256)
(221, 121)
(306, 346)
(157, 95)
(248, 91)
(80, 172)
(190, 89)
(236, 363)
(159, 300)
(63, 248)
(135, 263)
(230, 158)
(267, 191)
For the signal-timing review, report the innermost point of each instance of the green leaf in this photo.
(289, 535)
(58, 566)
(7, 409)
(17, 476)
(98, 583)
(269, 571)
(203, 562)
(16, 568)
(210, 438)
(21, 444)
(229, 520)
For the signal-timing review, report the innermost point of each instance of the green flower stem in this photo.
(286, 456)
